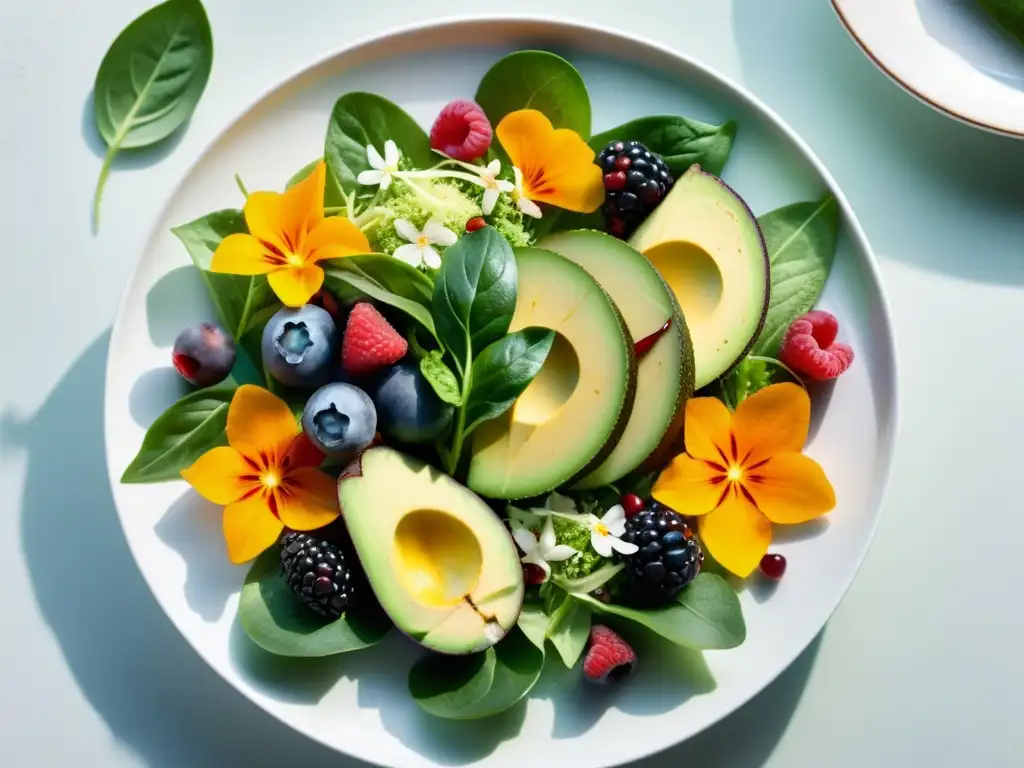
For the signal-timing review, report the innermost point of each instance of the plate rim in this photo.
(929, 101)
(574, 27)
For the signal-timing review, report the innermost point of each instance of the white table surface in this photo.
(920, 666)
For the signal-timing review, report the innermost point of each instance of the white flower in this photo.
(526, 205)
(556, 502)
(383, 168)
(543, 550)
(605, 532)
(420, 249)
(493, 186)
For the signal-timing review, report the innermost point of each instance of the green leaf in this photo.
(440, 377)
(479, 685)
(591, 581)
(301, 174)
(1009, 14)
(275, 620)
(359, 120)
(705, 616)
(801, 241)
(181, 434)
(751, 375)
(387, 280)
(150, 79)
(533, 622)
(536, 80)
(682, 142)
(474, 294)
(569, 629)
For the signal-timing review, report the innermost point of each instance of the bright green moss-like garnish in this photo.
(577, 537)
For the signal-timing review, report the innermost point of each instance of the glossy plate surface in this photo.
(358, 703)
(950, 55)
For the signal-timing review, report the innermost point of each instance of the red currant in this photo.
(632, 504)
(476, 223)
(533, 574)
(773, 566)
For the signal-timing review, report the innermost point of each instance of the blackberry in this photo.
(669, 557)
(635, 180)
(320, 574)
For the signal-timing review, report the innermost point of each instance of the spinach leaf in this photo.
(475, 294)
(682, 142)
(479, 685)
(536, 80)
(387, 280)
(181, 434)
(503, 371)
(360, 120)
(591, 581)
(801, 241)
(440, 377)
(706, 615)
(568, 629)
(280, 624)
(150, 80)
(533, 622)
(1009, 14)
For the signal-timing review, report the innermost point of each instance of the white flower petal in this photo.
(518, 177)
(526, 541)
(530, 208)
(601, 544)
(614, 517)
(431, 257)
(385, 180)
(439, 234)
(374, 159)
(494, 167)
(490, 200)
(406, 230)
(391, 154)
(560, 552)
(411, 254)
(622, 546)
(547, 535)
(559, 502)
(370, 178)
(505, 186)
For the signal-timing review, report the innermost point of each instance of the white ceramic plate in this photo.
(947, 53)
(358, 703)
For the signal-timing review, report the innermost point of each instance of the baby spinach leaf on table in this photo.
(181, 434)
(151, 79)
(536, 80)
(503, 370)
(706, 615)
(682, 142)
(1009, 14)
(276, 621)
(359, 120)
(801, 241)
(440, 377)
(474, 294)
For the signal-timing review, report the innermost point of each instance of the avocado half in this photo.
(570, 416)
(665, 374)
(440, 561)
(708, 247)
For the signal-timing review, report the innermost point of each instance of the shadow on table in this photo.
(155, 694)
(987, 47)
(918, 153)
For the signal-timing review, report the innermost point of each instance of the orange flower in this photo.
(288, 237)
(558, 166)
(744, 471)
(266, 477)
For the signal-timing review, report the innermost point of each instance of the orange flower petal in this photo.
(689, 486)
(221, 475)
(262, 422)
(295, 286)
(791, 488)
(307, 499)
(335, 237)
(303, 453)
(736, 534)
(249, 528)
(707, 429)
(523, 135)
(283, 220)
(242, 254)
(773, 420)
(569, 177)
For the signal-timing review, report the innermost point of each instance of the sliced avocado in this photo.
(707, 245)
(665, 372)
(567, 420)
(440, 561)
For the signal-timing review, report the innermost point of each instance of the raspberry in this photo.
(609, 658)
(462, 131)
(370, 342)
(810, 348)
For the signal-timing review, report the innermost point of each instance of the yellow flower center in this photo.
(295, 260)
(422, 241)
(601, 529)
(735, 473)
(270, 480)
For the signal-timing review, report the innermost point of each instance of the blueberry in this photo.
(204, 354)
(298, 346)
(339, 418)
(408, 409)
